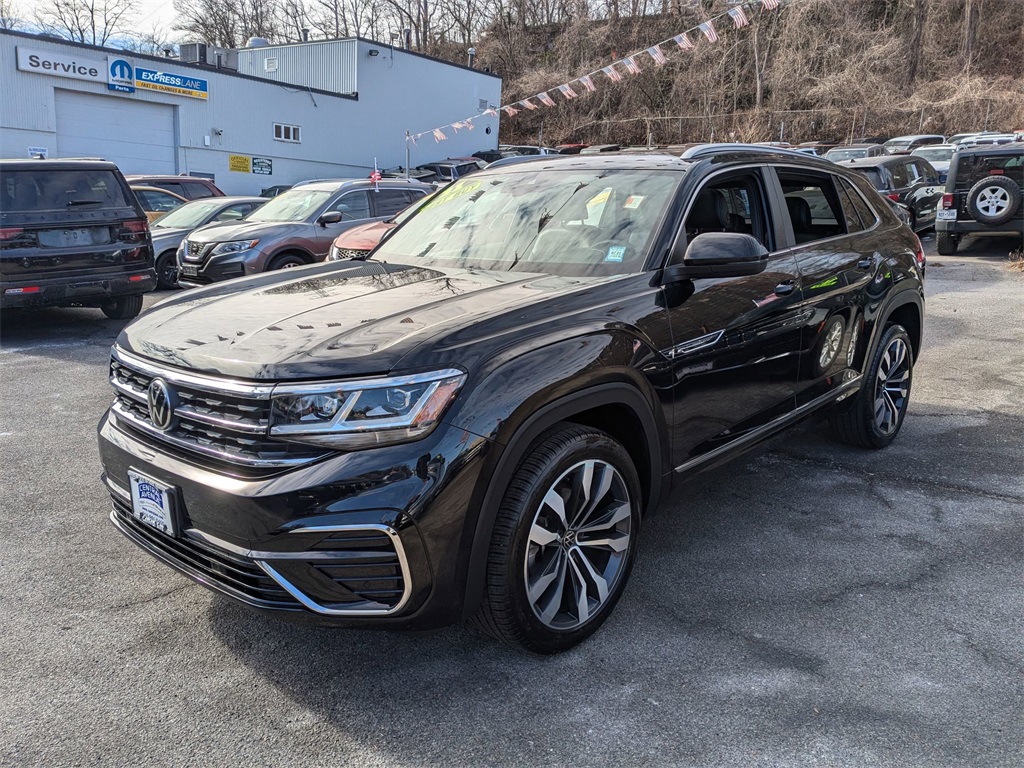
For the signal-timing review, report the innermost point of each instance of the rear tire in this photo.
(286, 261)
(946, 243)
(123, 307)
(875, 414)
(564, 541)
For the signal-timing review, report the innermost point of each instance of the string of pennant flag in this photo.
(615, 72)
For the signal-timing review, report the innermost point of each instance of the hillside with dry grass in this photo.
(815, 69)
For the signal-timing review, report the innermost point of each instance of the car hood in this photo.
(248, 230)
(327, 320)
(364, 237)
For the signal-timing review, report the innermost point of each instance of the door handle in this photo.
(865, 264)
(784, 289)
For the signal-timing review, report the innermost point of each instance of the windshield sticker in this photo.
(452, 192)
(633, 202)
(615, 253)
(600, 197)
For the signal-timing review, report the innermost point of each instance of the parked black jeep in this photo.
(983, 195)
(475, 423)
(72, 234)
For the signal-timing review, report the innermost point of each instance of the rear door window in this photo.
(195, 190)
(50, 190)
(899, 175)
(170, 186)
(388, 202)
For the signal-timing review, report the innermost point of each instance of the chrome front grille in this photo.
(222, 419)
(194, 251)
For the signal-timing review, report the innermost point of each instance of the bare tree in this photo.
(86, 21)
(228, 24)
(10, 17)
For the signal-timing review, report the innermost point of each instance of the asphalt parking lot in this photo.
(808, 604)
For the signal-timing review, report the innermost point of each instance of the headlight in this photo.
(334, 254)
(235, 246)
(363, 414)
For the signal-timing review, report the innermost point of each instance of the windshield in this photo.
(935, 155)
(836, 155)
(187, 216)
(293, 205)
(575, 223)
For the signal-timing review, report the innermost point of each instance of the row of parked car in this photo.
(77, 232)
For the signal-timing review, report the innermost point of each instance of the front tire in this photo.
(876, 413)
(166, 271)
(564, 541)
(123, 307)
(286, 261)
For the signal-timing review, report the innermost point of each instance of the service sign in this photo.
(170, 82)
(50, 63)
(239, 163)
(264, 166)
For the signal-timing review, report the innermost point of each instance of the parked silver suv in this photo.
(293, 229)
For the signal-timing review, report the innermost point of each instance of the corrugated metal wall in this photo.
(327, 65)
(340, 136)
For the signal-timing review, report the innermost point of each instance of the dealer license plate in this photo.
(152, 503)
(188, 270)
(67, 238)
(943, 215)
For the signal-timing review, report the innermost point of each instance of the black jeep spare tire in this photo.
(994, 200)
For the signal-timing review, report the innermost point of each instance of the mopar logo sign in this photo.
(120, 75)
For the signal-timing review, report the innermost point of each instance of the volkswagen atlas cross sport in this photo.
(475, 422)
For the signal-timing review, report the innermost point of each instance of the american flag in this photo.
(375, 176)
(457, 125)
(413, 137)
(631, 66)
(439, 134)
(709, 31)
(528, 104)
(769, 5)
(684, 41)
(567, 91)
(510, 111)
(545, 99)
(468, 124)
(613, 73)
(491, 111)
(739, 18)
(588, 83)
(657, 54)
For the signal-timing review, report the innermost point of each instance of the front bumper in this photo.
(332, 542)
(218, 267)
(84, 290)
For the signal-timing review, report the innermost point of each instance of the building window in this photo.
(286, 132)
(270, 64)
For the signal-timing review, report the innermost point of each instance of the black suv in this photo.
(983, 195)
(475, 422)
(908, 180)
(72, 234)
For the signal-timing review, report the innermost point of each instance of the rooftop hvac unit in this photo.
(192, 53)
(208, 55)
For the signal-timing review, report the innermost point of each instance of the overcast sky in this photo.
(149, 13)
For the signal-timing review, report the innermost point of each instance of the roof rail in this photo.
(703, 150)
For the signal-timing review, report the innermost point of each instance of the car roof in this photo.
(854, 146)
(139, 176)
(916, 136)
(21, 164)
(231, 199)
(147, 188)
(333, 185)
(989, 149)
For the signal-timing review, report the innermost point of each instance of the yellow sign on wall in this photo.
(240, 163)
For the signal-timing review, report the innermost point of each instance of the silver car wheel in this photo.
(992, 201)
(578, 543)
(851, 350)
(830, 347)
(892, 386)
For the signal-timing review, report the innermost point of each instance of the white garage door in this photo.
(137, 135)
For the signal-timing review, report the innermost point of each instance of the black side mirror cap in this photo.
(718, 254)
(331, 217)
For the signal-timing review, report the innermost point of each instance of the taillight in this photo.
(947, 200)
(133, 227)
(919, 256)
(9, 233)
(134, 232)
(894, 197)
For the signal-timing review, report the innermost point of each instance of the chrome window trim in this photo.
(324, 610)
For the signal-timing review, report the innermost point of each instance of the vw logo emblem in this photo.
(161, 404)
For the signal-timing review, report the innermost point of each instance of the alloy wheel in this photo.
(851, 350)
(892, 386)
(578, 544)
(993, 200)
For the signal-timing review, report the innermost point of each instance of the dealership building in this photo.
(248, 119)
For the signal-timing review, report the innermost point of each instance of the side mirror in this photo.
(717, 254)
(331, 217)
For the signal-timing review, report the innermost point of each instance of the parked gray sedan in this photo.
(295, 228)
(170, 229)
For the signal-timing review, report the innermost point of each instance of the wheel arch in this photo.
(618, 408)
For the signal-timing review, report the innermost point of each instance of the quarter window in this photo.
(284, 132)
